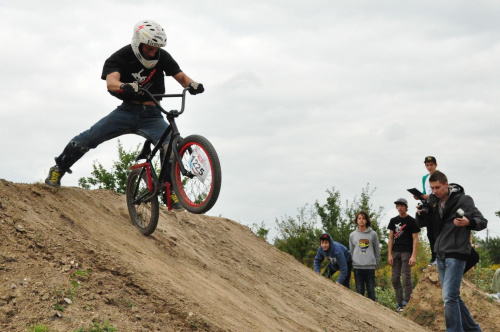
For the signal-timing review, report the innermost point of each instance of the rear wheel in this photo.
(197, 194)
(143, 206)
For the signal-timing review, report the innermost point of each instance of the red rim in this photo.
(179, 180)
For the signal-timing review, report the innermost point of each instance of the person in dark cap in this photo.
(431, 165)
(402, 251)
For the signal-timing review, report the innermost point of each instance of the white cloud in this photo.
(300, 97)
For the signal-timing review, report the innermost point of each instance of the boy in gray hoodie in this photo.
(364, 246)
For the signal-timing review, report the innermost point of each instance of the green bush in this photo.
(386, 297)
(481, 277)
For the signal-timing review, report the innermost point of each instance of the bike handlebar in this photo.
(177, 95)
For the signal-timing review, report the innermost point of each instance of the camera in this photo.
(424, 207)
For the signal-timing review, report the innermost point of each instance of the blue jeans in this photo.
(456, 314)
(146, 121)
(365, 277)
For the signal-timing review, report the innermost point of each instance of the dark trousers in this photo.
(331, 269)
(401, 268)
(365, 279)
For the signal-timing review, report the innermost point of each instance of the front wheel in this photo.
(143, 206)
(199, 192)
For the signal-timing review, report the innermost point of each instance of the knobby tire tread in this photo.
(182, 190)
(151, 221)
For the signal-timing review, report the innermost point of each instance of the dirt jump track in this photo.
(70, 257)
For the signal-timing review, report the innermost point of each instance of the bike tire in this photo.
(144, 212)
(195, 194)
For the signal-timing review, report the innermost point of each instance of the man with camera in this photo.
(453, 215)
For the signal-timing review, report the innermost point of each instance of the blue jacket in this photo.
(338, 255)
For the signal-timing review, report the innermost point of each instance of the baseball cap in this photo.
(401, 201)
(324, 237)
(430, 159)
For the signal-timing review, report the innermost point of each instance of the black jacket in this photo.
(453, 241)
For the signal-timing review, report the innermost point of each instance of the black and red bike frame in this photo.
(157, 184)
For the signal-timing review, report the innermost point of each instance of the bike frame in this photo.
(156, 184)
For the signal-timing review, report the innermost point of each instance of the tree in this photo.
(339, 222)
(299, 237)
(331, 218)
(491, 248)
(363, 203)
(260, 230)
(116, 179)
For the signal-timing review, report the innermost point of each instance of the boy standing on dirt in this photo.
(339, 256)
(403, 247)
(365, 251)
(454, 215)
(431, 165)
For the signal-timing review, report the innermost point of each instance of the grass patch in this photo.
(39, 328)
(96, 327)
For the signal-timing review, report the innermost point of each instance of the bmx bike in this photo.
(191, 162)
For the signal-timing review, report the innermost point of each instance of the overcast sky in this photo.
(301, 96)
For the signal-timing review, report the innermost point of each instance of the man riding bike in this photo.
(141, 64)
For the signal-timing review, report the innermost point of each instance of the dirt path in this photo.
(195, 273)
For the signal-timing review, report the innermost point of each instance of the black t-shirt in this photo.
(131, 70)
(403, 228)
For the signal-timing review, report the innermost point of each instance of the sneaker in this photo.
(401, 307)
(176, 205)
(54, 177)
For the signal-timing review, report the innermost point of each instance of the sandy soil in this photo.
(426, 305)
(195, 273)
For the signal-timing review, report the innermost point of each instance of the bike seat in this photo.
(145, 152)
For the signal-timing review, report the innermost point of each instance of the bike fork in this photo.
(148, 173)
(167, 195)
(147, 166)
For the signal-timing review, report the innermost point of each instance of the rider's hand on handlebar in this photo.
(195, 88)
(128, 90)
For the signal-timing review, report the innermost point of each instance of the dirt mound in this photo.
(426, 305)
(70, 257)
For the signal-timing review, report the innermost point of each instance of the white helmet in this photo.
(150, 33)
